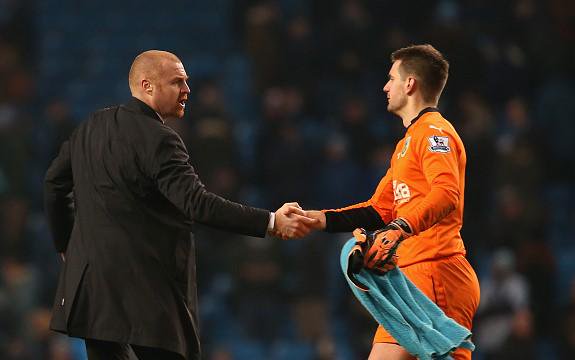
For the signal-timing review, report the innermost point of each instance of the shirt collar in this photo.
(161, 118)
(426, 110)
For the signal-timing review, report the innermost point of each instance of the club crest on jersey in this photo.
(439, 144)
(405, 146)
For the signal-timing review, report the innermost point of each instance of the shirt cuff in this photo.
(272, 221)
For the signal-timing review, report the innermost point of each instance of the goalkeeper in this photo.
(418, 205)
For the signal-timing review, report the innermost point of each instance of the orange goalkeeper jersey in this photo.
(425, 185)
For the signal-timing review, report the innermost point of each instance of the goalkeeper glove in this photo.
(381, 254)
(363, 243)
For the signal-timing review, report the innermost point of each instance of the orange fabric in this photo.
(425, 185)
(452, 284)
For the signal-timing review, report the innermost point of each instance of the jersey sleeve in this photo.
(372, 214)
(438, 153)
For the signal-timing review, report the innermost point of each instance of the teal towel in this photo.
(417, 323)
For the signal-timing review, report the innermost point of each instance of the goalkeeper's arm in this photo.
(347, 220)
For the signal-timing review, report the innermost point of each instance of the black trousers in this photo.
(106, 350)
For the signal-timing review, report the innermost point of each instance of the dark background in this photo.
(287, 105)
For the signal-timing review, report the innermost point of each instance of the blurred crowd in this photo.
(309, 124)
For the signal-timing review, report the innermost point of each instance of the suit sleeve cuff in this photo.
(272, 221)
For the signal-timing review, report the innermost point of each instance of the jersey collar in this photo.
(426, 110)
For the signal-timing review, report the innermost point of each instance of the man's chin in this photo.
(178, 114)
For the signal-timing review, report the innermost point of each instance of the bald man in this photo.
(121, 199)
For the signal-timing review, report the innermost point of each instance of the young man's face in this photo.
(171, 90)
(395, 89)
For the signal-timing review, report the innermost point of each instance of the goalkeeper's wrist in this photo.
(402, 225)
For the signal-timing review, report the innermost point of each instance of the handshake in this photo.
(375, 251)
(292, 222)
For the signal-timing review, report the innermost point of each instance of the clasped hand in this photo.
(292, 222)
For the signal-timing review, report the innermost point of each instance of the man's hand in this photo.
(291, 222)
(319, 216)
(381, 255)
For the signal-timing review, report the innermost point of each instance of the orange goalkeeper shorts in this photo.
(452, 284)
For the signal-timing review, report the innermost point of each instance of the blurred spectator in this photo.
(17, 28)
(14, 145)
(18, 283)
(56, 129)
(221, 354)
(475, 119)
(259, 300)
(301, 56)
(311, 332)
(562, 12)
(537, 263)
(555, 109)
(355, 125)
(520, 344)
(285, 159)
(211, 143)
(263, 39)
(517, 148)
(514, 219)
(567, 325)
(504, 295)
(38, 333)
(338, 175)
(349, 50)
(13, 218)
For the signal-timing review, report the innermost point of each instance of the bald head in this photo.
(149, 65)
(158, 78)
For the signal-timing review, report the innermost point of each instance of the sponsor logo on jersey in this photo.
(401, 192)
(439, 144)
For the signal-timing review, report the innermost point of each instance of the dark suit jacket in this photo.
(121, 199)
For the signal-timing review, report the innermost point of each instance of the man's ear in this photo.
(410, 85)
(147, 87)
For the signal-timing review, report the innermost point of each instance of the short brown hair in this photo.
(428, 65)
